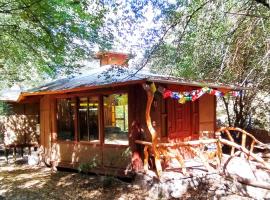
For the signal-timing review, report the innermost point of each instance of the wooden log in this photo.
(174, 153)
(244, 137)
(145, 143)
(242, 131)
(231, 139)
(219, 147)
(251, 147)
(200, 155)
(246, 151)
(146, 157)
(150, 97)
(181, 161)
(187, 143)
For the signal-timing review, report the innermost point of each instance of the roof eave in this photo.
(201, 84)
(51, 92)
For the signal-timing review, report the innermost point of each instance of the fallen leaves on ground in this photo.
(20, 181)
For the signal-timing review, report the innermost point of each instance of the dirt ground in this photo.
(21, 181)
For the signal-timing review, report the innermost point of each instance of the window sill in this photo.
(89, 142)
(115, 145)
(65, 141)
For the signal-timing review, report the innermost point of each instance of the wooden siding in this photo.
(207, 114)
(20, 126)
(184, 121)
(45, 127)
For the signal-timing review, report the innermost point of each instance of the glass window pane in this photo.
(88, 118)
(116, 119)
(93, 118)
(65, 119)
(82, 117)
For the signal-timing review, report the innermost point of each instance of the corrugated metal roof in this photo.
(11, 94)
(107, 75)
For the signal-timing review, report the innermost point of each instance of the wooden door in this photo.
(179, 119)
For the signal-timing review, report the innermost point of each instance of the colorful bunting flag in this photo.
(167, 93)
(153, 87)
(188, 95)
(182, 100)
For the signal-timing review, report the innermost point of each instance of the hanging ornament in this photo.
(153, 87)
(146, 87)
(218, 93)
(212, 92)
(198, 94)
(188, 98)
(194, 92)
(167, 93)
(175, 95)
(205, 89)
(161, 89)
(227, 95)
(186, 93)
(182, 100)
(180, 95)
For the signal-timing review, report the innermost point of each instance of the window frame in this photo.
(78, 122)
(74, 121)
(100, 96)
(128, 127)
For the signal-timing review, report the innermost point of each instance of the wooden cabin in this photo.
(19, 122)
(96, 117)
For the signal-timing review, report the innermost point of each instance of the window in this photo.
(65, 118)
(116, 119)
(88, 118)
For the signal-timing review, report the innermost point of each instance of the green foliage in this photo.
(225, 41)
(5, 108)
(46, 37)
(86, 167)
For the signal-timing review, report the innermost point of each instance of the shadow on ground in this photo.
(20, 181)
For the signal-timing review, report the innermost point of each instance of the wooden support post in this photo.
(150, 97)
(22, 151)
(29, 150)
(202, 158)
(244, 136)
(251, 147)
(6, 153)
(219, 147)
(232, 140)
(146, 157)
(14, 153)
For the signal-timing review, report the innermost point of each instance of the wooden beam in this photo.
(143, 142)
(246, 151)
(187, 143)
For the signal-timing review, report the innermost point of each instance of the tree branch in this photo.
(154, 48)
(9, 11)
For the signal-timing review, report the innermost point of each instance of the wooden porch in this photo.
(210, 151)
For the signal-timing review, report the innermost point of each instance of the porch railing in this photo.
(168, 151)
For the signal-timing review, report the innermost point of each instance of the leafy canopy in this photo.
(43, 37)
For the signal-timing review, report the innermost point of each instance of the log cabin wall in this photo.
(19, 126)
